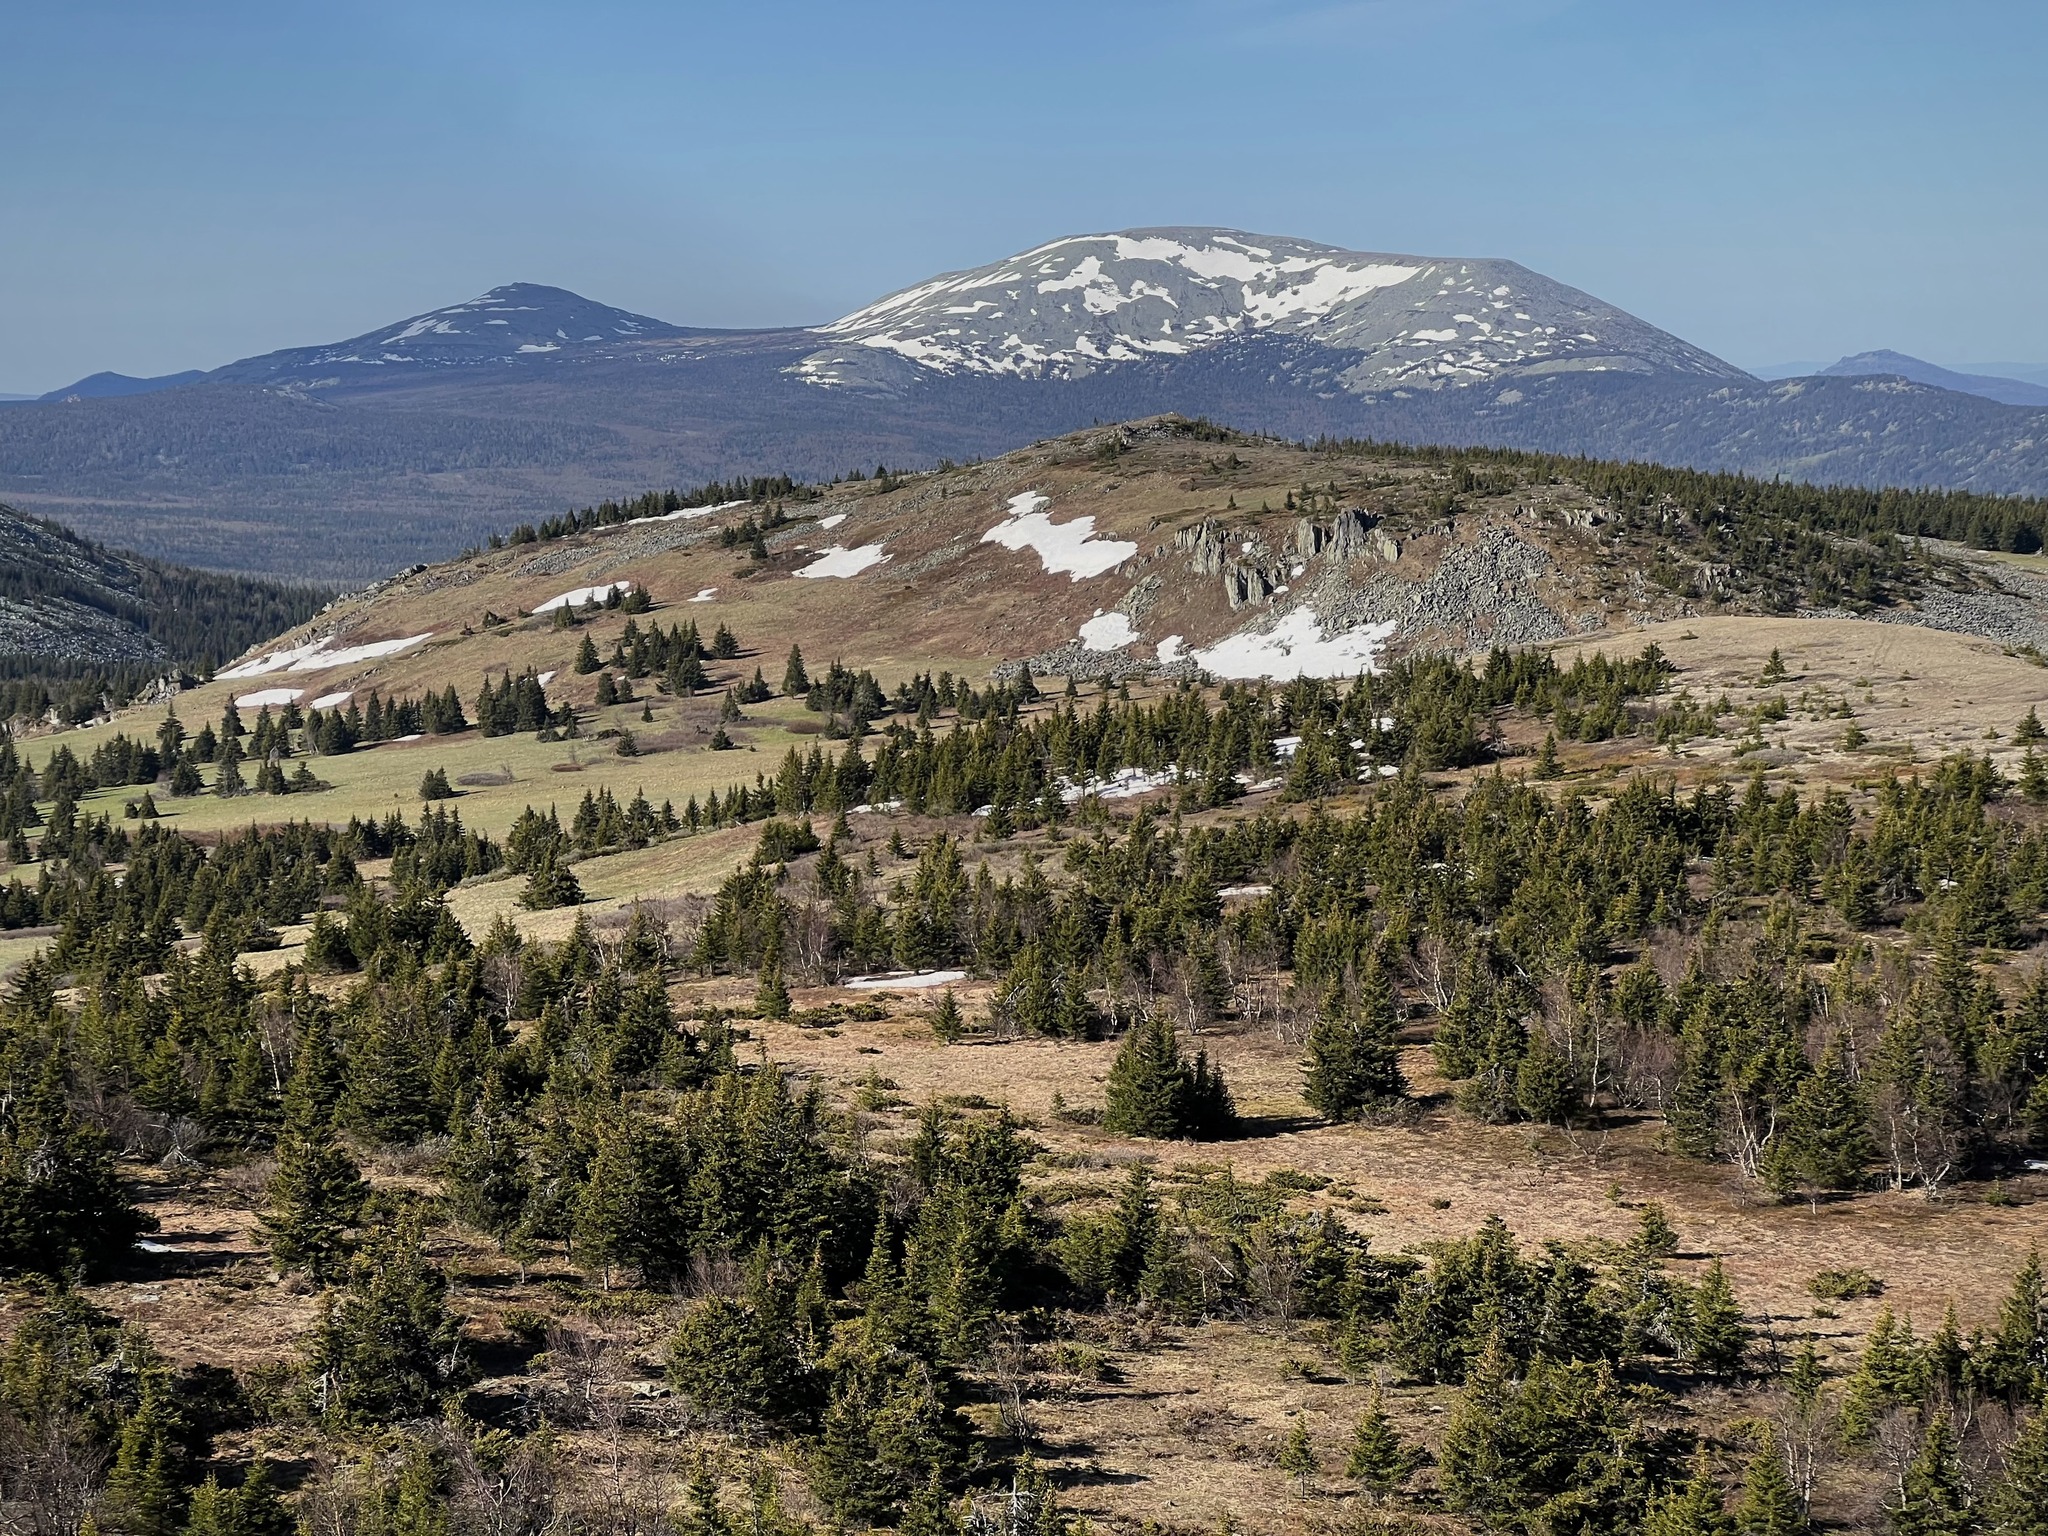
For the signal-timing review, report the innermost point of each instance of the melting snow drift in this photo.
(836, 561)
(906, 979)
(1070, 547)
(1108, 632)
(265, 696)
(583, 597)
(314, 657)
(1297, 647)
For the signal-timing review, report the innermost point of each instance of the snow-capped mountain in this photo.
(517, 322)
(1072, 307)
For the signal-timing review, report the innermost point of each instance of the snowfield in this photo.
(1108, 632)
(1296, 646)
(332, 700)
(837, 561)
(582, 597)
(685, 515)
(315, 657)
(1124, 784)
(905, 979)
(264, 696)
(1070, 547)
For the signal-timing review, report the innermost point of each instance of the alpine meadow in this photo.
(1188, 882)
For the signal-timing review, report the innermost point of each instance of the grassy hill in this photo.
(1654, 926)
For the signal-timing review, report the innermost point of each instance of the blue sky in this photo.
(185, 184)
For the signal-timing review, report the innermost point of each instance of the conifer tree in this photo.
(62, 1205)
(1298, 1457)
(1716, 1337)
(1933, 1497)
(1379, 1462)
(1694, 1508)
(1827, 1134)
(1768, 1506)
(2018, 1502)
(2014, 1361)
(387, 1347)
(552, 884)
(795, 680)
(947, 1024)
(1154, 1092)
(317, 1193)
(1352, 1061)
(587, 660)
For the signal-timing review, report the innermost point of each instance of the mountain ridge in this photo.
(352, 458)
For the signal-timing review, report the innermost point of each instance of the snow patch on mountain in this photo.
(1068, 308)
(583, 597)
(314, 656)
(839, 561)
(1071, 547)
(1108, 632)
(1296, 646)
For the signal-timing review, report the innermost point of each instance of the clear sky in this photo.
(183, 184)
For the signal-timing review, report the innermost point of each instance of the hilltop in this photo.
(350, 458)
(1151, 552)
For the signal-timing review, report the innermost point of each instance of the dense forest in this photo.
(84, 628)
(1818, 996)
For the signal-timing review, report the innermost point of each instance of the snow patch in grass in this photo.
(1296, 646)
(675, 517)
(829, 523)
(314, 656)
(905, 979)
(332, 700)
(1108, 631)
(545, 678)
(265, 696)
(1070, 547)
(706, 595)
(582, 597)
(844, 562)
(1124, 784)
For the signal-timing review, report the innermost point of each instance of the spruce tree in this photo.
(387, 1347)
(795, 680)
(2018, 1501)
(1768, 1506)
(1716, 1337)
(1379, 1462)
(1352, 1061)
(552, 884)
(1933, 1497)
(2014, 1361)
(1154, 1092)
(1694, 1508)
(947, 1024)
(62, 1205)
(317, 1193)
(1298, 1457)
(1827, 1134)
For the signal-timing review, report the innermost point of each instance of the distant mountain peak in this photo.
(511, 323)
(1076, 305)
(1989, 386)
